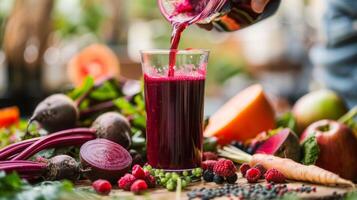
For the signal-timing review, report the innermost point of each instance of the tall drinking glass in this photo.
(174, 107)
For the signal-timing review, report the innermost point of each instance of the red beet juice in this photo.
(174, 107)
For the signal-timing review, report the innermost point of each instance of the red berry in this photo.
(138, 172)
(149, 179)
(273, 175)
(102, 186)
(261, 169)
(244, 168)
(126, 181)
(138, 186)
(209, 156)
(253, 175)
(208, 164)
(224, 168)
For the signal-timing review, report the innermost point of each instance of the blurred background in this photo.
(39, 37)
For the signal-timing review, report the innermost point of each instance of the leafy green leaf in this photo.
(125, 106)
(310, 150)
(107, 91)
(88, 83)
(10, 184)
(287, 120)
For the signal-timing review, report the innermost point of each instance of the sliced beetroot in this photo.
(56, 112)
(114, 127)
(284, 144)
(104, 159)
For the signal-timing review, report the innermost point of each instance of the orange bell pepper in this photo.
(9, 116)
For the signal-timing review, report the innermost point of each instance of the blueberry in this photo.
(208, 176)
(232, 179)
(218, 179)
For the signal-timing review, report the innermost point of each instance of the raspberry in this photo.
(244, 168)
(232, 179)
(138, 172)
(253, 175)
(224, 168)
(273, 175)
(209, 156)
(208, 175)
(102, 186)
(149, 179)
(138, 186)
(261, 169)
(126, 181)
(147, 173)
(208, 164)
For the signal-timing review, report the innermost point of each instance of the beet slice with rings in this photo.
(104, 159)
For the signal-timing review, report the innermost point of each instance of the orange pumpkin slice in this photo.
(242, 117)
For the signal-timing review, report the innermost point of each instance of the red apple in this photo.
(338, 147)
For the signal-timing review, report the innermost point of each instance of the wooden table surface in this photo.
(322, 192)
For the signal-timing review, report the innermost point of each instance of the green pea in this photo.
(188, 179)
(183, 184)
(198, 170)
(148, 167)
(163, 181)
(175, 176)
(185, 173)
(168, 175)
(170, 185)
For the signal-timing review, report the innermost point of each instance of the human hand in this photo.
(259, 5)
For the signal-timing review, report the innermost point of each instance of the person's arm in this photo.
(259, 5)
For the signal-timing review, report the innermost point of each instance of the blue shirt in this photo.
(336, 58)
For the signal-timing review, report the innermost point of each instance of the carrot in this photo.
(289, 168)
(296, 171)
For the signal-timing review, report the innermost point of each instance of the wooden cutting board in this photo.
(322, 192)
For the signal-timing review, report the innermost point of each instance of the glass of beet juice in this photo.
(174, 107)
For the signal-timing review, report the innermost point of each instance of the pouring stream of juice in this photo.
(178, 28)
(194, 9)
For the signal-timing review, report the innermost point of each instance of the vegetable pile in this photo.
(97, 132)
(81, 138)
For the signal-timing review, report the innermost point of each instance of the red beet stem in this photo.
(28, 170)
(54, 140)
(9, 162)
(21, 167)
(15, 148)
(72, 140)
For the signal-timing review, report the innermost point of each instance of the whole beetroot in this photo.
(56, 112)
(114, 127)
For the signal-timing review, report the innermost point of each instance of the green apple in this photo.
(318, 105)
